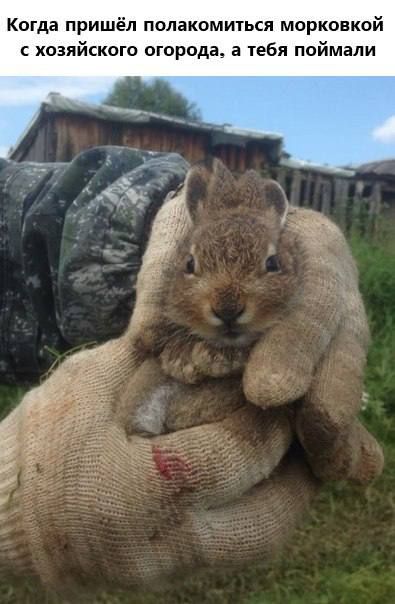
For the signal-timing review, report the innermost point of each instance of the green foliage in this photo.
(345, 553)
(156, 95)
(377, 282)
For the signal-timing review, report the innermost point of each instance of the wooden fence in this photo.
(353, 203)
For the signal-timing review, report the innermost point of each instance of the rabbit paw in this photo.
(176, 362)
(218, 362)
(193, 361)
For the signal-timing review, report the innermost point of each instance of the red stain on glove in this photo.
(170, 465)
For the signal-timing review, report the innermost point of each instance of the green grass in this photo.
(377, 280)
(344, 553)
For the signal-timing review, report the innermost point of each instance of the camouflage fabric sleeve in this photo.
(71, 242)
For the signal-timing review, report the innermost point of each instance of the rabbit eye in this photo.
(190, 265)
(272, 264)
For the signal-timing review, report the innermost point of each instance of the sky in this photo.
(334, 120)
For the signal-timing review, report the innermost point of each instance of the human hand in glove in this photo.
(84, 503)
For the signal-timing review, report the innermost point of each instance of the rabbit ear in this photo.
(264, 195)
(210, 187)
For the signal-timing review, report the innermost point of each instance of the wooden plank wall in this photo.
(74, 134)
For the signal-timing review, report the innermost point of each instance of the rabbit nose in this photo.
(228, 314)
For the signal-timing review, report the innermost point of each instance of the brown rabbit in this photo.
(236, 275)
(243, 297)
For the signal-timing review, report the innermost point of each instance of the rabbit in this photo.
(267, 295)
(235, 275)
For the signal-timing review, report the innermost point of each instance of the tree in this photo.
(154, 95)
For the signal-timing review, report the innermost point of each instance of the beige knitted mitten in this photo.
(85, 504)
(318, 350)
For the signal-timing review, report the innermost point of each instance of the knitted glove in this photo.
(83, 503)
(318, 350)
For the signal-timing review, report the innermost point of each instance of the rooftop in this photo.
(55, 103)
(384, 167)
(288, 161)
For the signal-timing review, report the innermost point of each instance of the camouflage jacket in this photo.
(71, 243)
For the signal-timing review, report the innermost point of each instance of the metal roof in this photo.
(220, 133)
(300, 164)
(385, 167)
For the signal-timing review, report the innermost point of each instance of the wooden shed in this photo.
(63, 127)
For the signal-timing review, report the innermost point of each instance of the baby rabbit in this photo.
(235, 275)
(270, 293)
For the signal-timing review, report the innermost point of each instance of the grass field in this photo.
(345, 552)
